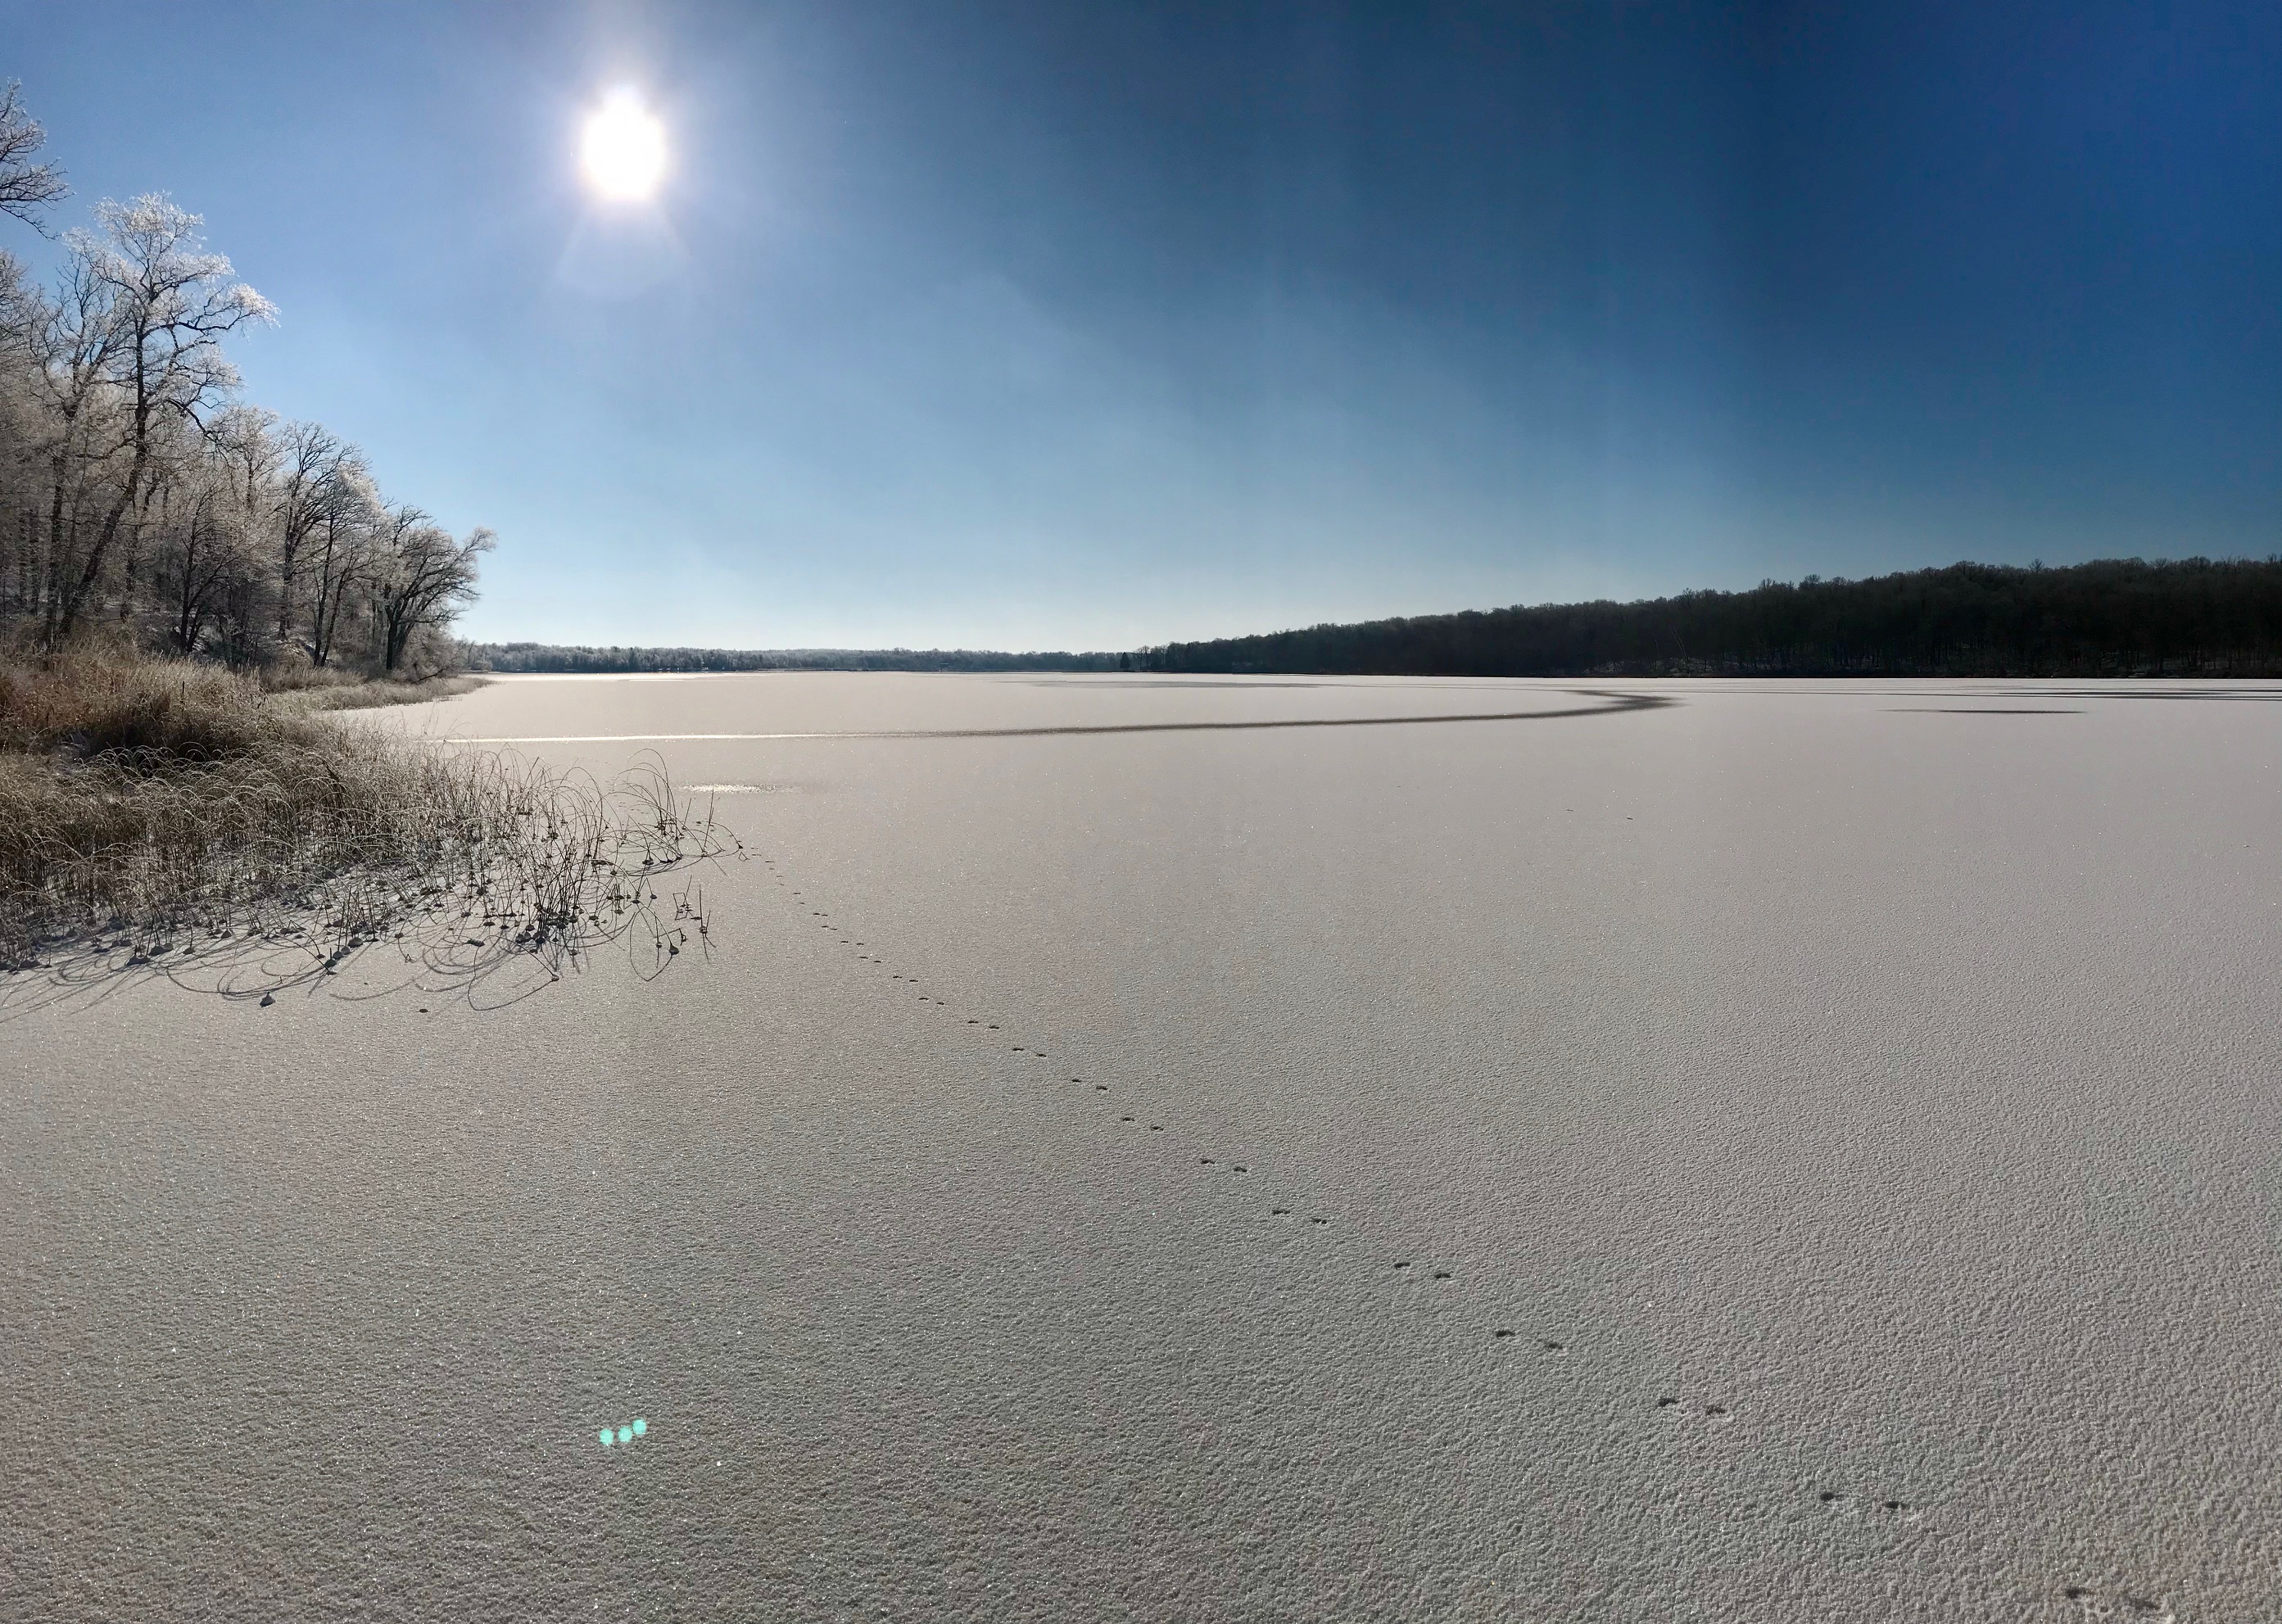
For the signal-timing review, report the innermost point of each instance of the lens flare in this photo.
(623, 148)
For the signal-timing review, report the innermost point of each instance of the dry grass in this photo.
(154, 810)
(311, 688)
(145, 714)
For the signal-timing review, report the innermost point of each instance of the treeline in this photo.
(556, 657)
(2193, 617)
(141, 499)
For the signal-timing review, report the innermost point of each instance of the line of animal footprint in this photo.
(2094, 1604)
(1838, 1502)
(1544, 1345)
(2106, 1605)
(1712, 1414)
(1502, 1334)
(823, 921)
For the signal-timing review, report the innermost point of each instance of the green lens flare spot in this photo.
(606, 1437)
(626, 1434)
(641, 1427)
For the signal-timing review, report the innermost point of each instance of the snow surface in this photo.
(1794, 1152)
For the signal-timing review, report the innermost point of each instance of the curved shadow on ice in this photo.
(1612, 703)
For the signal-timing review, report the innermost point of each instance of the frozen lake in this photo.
(1664, 1151)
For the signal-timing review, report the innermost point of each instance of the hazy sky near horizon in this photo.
(1091, 325)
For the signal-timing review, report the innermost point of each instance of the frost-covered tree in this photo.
(139, 489)
(167, 302)
(72, 424)
(310, 461)
(200, 551)
(27, 185)
(421, 576)
(349, 509)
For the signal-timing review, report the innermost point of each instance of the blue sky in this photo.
(1095, 325)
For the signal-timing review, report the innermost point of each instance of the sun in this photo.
(623, 148)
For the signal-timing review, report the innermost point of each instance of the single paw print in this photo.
(1878, 1507)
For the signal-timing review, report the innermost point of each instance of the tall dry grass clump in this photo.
(150, 809)
(144, 715)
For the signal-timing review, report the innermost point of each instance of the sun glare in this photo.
(623, 148)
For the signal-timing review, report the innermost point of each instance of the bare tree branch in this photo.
(26, 188)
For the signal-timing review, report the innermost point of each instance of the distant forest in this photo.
(559, 657)
(2193, 617)
(2118, 617)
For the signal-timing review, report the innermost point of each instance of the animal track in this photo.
(2105, 1604)
(1839, 1502)
(1713, 1415)
(2095, 1606)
